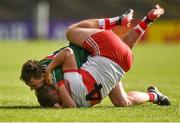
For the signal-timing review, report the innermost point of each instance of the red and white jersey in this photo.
(98, 74)
(78, 90)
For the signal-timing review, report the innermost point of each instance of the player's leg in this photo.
(79, 32)
(99, 42)
(157, 97)
(119, 97)
(123, 20)
(133, 36)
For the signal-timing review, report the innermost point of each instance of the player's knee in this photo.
(69, 32)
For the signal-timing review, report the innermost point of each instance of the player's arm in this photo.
(65, 58)
(67, 101)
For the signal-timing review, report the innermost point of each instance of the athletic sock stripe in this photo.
(139, 29)
(151, 96)
(144, 18)
(113, 20)
(107, 23)
(143, 25)
(147, 20)
(101, 23)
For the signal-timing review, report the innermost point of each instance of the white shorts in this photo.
(104, 71)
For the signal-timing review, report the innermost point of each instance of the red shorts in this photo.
(109, 45)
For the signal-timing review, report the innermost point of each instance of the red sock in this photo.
(109, 23)
(142, 26)
(151, 97)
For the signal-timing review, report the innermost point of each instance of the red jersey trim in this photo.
(89, 82)
(66, 84)
(50, 56)
(60, 83)
(70, 70)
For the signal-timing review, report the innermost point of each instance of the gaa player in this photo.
(110, 58)
(35, 70)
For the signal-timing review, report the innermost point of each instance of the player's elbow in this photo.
(68, 52)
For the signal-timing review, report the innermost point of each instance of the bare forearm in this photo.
(67, 101)
(57, 60)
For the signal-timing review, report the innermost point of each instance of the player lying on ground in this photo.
(99, 76)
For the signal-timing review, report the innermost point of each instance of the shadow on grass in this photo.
(20, 107)
(39, 107)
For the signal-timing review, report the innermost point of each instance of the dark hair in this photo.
(47, 96)
(32, 68)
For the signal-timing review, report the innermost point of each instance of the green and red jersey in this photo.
(80, 55)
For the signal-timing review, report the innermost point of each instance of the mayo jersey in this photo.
(57, 74)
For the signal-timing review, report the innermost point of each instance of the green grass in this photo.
(154, 64)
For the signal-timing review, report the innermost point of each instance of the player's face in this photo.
(57, 98)
(36, 83)
(55, 95)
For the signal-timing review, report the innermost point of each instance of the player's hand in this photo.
(48, 78)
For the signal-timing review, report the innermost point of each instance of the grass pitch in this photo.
(154, 64)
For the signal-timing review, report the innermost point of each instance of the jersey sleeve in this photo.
(57, 74)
